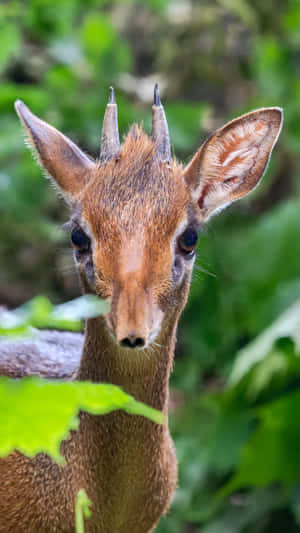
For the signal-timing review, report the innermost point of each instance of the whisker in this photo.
(204, 271)
(65, 269)
(157, 344)
(144, 350)
(65, 262)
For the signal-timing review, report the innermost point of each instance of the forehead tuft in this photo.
(135, 188)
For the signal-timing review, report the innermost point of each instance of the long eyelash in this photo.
(74, 222)
(67, 226)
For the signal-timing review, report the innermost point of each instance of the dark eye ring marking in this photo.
(80, 240)
(187, 242)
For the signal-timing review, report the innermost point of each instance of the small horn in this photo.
(110, 142)
(160, 130)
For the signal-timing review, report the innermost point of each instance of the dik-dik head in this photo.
(137, 211)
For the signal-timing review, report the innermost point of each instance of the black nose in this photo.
(132, 342)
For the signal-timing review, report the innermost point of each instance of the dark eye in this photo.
(187, 242)
(80, 240)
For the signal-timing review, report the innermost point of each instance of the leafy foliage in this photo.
(40, 313)
(37, 415)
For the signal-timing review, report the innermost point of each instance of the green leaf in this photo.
(97, 34)
(185, 123)
(272, 453)
(103, 47)
(87, 306)
(36, 415)
(40, 313)
(287, 325)
(10, 43)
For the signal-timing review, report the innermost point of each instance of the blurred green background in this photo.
(236, 398)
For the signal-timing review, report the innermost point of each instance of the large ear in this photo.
(58, 155)
(232, 161)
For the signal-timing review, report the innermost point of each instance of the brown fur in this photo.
(133, 207)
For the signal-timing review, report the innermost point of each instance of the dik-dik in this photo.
(136, 213)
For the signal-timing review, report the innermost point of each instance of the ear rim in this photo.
(192, 173)
(28, 119)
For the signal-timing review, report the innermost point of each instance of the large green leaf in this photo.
(36, 415)
(40, 313)
(287, 325)
(272, 453)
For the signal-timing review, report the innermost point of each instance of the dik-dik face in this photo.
(137, 212)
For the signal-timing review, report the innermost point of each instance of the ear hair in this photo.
(62, 160)
(232, 161)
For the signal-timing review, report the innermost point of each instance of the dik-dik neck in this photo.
(141, 373)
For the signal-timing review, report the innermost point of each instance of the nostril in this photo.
(132, 342)
(139, 342)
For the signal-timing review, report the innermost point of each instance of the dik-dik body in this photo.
(135, 218)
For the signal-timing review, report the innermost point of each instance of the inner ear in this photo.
(233, 160)
(69, 167)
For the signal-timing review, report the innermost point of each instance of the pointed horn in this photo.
(110, 142)
(160, 130)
